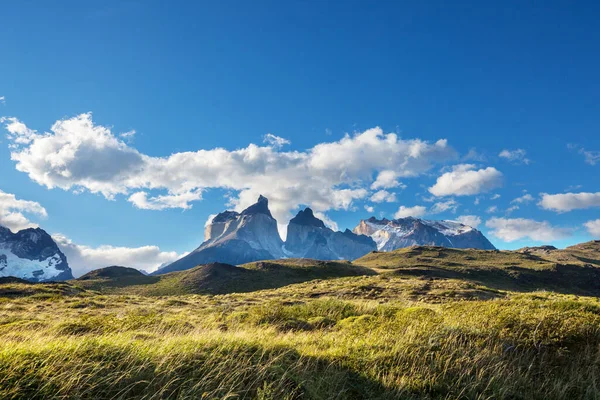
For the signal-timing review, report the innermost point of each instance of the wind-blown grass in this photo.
(379, 337)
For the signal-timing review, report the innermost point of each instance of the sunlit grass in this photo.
(382, 337)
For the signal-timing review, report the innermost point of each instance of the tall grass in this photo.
(258, 346)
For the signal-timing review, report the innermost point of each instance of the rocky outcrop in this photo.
(404, 232)
(235, 238)
(31, 254)
(308, 237)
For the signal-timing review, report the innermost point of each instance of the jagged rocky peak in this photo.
(33, 255)
(260, 207)
(307, 217)
(236, 238)
(404, 232)
(308, 237)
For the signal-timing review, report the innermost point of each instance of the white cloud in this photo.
(327, 221)
(510, 230)
(2, 99)
(209, 220)
(563, 202)
(492, 209)
(383, 196)
(495, 197)
(78, 155)
(517, 156)
(275, 141)
(509, 210)
(416, 211)
(182, 200)
(128, 136)
(590, 157)
(443, 206)
(464, 180)
(471, 220)
(526, 198)
(593, 227)
(83, 259)
(369, 209)
(13, 210)
(387, 179)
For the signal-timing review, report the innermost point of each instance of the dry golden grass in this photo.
(380, 337)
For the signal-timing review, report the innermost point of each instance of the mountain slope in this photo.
(404, 232)
(529, 269)
(31, 254)
(308, 237)
(235, 238)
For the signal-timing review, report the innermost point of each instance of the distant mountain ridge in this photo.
(404, 232)
(252, 235)
(31, 254)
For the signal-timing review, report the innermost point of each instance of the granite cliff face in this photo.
(235, 238)
(308, 237)
(404, 232)
(31, 254)
(252, 235)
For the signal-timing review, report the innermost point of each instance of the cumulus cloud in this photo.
(416, 211)
(78, 155)
(510, 230)
(369, 208)
(465, 180)
(593, 227)
(2, 99)
(492, 209)
(83, 259)
(563, 202)
(13, 212)
(387, 179)
(471, 220)
(518, 156)
(383, 196)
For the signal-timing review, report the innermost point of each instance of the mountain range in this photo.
(251, 235)
(33, 255)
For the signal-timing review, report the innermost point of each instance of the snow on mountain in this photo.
(31, 254)
(404, 232)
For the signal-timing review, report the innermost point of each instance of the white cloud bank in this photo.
(593, 227)
(416, 212)
(563, 202)
(78, 155)
(510, 230)
(383, 196)
(465, 180)
(83, 259)
(13, 212)
(471, 220)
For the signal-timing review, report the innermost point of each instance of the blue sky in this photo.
(203, 75)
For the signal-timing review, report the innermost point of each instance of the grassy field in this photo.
(347, 334)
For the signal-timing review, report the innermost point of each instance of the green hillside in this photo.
(431, 324)
(218, 278)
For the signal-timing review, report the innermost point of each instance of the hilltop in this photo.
(218, 278)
